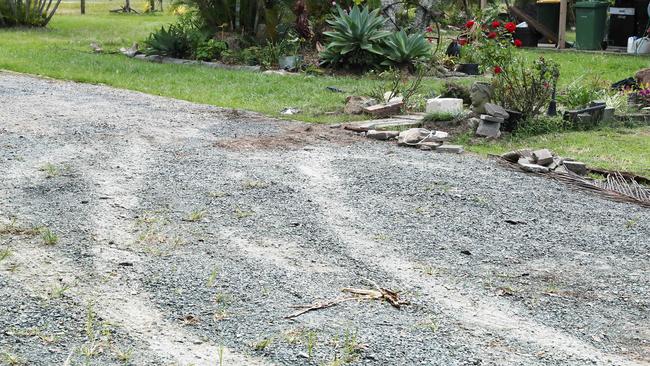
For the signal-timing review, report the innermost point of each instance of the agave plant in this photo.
(27, 12)
(356, 38)
(172, 42)
(402, 50)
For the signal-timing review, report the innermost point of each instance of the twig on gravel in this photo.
(380, 293)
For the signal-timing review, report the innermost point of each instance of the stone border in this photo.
(179, 61)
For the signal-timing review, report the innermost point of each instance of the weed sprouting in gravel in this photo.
(254, 184)
(631, 223)
(311, 340)
(196, 215)
(242, 214)
(49, 238)
(123, 356)
(12, 360)
(5, 253)
(348, 349)
(212, 278)
(12, 228)
(262, 344)
(429, 324)
(217, 194)
(221, 349)
(58, 291)
(50, 170)
(90, 321)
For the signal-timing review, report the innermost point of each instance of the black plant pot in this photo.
(510, 124)
(469, 69)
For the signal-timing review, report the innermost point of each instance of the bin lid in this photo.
(548, 1)
(592, 4)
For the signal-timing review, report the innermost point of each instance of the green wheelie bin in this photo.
(591, 21)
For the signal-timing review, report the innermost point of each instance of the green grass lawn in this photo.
(62, 51)
(616, 149)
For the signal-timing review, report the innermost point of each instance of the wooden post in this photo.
(83, 6)
(561, 34)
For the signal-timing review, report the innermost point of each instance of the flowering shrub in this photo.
(526, 89)
(491, 43)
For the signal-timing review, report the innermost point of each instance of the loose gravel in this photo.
(186, 233)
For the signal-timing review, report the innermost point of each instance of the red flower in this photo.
(497, 70)
(429, 29)
(462, 41)
(510, 27)
(496, 24)
(469, 24)
(518, 43)
(492, 35)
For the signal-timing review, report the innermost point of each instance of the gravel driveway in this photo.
(186, 233)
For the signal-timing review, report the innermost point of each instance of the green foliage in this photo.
(34, 13)
(539, 125)
(356, 38)
(580, 92)
(171, 42)
(210, 50)
(403, 50)
(526, 89)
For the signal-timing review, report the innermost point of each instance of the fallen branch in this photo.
(379, 293)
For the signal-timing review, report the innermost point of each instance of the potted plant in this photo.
(468, 60)
(290, 59)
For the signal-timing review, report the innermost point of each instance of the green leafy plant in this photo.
(403, 49)
(580, 92)
(172, 42)
(36, 13)
(356, 38)
(210, 50)
(49, 238)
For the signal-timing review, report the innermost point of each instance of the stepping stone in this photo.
(576, 167)
(445, 105)
(452, 149)
(489, 129)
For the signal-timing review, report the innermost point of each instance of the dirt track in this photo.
(187, 233)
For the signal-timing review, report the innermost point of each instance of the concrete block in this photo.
(543, 157)
(576, 167)
(453, 149)
(488, 129)
(534, 168)
(445, 105)
(496, 111)
(488, 118)
(382, 135)
(384, 109)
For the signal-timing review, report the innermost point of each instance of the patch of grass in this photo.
(242, 214)
(439, 116)
(628, 225)
(50, 170)
(49, 238)
(608, 148)
(196, 215)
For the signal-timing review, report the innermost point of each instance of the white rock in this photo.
(445, 105)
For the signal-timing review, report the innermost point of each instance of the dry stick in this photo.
(319, 305)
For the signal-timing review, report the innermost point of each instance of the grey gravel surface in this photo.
(187, 233)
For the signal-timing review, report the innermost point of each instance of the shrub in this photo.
(403, 50)
(356, 38)
(210, 50)
(35, 13)
(171, 42)
(525, 89)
